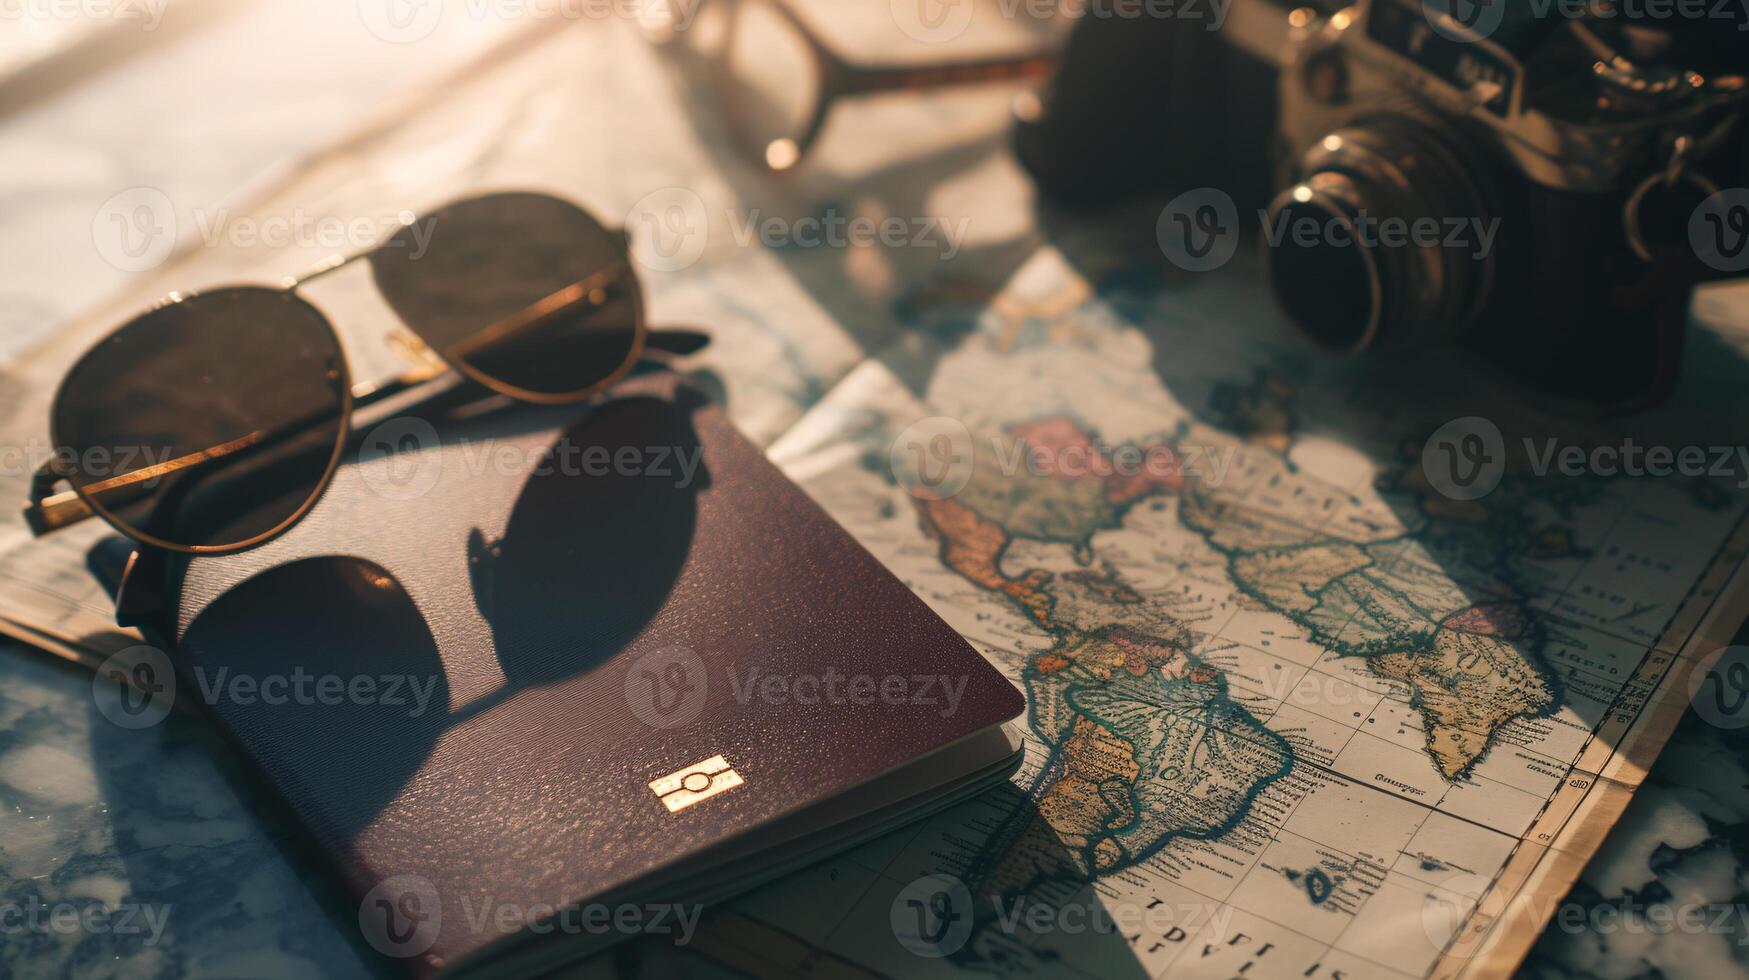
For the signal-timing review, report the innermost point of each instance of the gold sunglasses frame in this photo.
(47, 511)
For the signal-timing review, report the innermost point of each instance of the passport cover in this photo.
(594, 651)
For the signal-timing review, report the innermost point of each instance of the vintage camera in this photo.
(1525, 179)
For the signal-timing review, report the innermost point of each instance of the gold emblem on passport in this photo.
(696, 783)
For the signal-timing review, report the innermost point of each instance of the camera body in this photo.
(1528, 186)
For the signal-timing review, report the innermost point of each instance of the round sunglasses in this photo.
(213, 422)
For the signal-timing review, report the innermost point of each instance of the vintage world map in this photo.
(1294, 711)
(1283, 690)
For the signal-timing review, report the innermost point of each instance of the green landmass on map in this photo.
(1144, 744)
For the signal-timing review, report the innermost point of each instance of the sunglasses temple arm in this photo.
(588, 292)
(897, 78)
(46, 511)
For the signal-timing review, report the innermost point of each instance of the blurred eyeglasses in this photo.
(777, 82)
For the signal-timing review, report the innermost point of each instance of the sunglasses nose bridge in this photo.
(413, 349)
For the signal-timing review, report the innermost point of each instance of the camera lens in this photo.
(1386, 242)
(1332, 290)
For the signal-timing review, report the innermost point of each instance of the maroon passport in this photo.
(530, 676)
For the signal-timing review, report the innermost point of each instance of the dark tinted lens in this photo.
(208, 423)
(469, 278)
(1329, 288)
